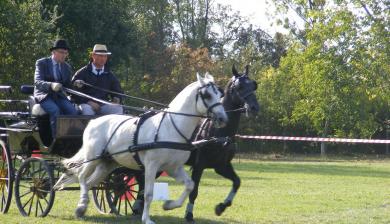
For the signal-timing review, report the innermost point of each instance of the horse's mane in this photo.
(179, 98)
(228, 85)
(185, 93)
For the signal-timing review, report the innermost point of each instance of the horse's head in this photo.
(242, 90)
(208, 100)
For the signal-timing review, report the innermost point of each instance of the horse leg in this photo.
(180, 175)
(150, 177)
(196, 175)
(229, 173)
(85, 171)
(138, 203)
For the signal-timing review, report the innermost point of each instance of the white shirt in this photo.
(56, 76)
(94, 71)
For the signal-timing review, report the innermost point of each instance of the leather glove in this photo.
(55, 86)
(116, 100)
(78, 83)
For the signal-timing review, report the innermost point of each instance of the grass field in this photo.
(296, 190)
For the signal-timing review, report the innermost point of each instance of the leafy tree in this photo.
(187, 62)
(85, 23)
(23, 39)
(335, 75)
(194, 18)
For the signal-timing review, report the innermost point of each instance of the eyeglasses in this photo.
(62, 52)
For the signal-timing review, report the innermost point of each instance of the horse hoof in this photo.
(137, 212)
(190, 222)
(138, 208)
(219, 209)
(189, 218)
(168, 205)
(149, 222)
(80, 212)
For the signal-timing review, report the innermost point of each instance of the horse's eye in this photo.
(206, 95)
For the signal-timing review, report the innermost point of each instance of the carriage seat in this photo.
(6, 89)
(35, 108)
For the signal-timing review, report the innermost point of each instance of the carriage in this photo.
(30, 159)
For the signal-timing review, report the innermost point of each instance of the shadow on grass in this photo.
(317, 169)
(137, 219)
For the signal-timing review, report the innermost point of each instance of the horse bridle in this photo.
(242, 98)
(203, 96)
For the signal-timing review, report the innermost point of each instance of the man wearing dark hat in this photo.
(93, 79)
(51, 74)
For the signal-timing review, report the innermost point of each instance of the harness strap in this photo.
(112, 135)
(178, 131)
(158, 129)
(157, 145)
(198, 136)
(139, 122)
(209, 110)
(247, 94)
(138, 161)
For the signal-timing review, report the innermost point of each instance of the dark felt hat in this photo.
(60, 44)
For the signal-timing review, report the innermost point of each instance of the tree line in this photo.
(327, 78)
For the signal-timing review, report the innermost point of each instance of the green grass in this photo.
(300, 190)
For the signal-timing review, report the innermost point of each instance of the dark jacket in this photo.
(44, 77)
(106, 80)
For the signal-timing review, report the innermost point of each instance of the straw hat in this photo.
(100, 49)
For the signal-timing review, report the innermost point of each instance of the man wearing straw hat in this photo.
(51, 73)
(93, 79)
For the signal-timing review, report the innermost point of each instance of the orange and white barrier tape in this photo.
(314, 139)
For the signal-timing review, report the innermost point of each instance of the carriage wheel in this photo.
(6, 178)
(117, 193)
(34, 193)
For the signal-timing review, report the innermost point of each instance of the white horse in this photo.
(113, 134)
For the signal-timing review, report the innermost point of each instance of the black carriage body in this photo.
(68, 141)
(25, 133)
(69, 138)
(23, 141)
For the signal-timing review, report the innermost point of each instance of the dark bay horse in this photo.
(239, 92)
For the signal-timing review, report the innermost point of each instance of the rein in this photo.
(122, 94)
(71, 91)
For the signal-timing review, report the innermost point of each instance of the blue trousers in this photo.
(57, 106)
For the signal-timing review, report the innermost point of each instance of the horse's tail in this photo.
(74, 162)
(71, 166)
(66, 178)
